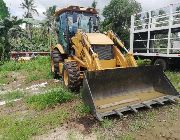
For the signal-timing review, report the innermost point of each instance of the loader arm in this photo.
(128, 57)
(84, 53)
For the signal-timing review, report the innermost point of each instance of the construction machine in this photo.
(111, 81)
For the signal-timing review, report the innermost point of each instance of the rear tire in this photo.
(163, 63)
(57, 58)
(71, 76)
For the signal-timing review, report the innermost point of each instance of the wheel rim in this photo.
(66, 78)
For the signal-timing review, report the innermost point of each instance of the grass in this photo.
(174, 78)
(3, 77)
(12, 128)
(49, 98)
(107, 123)
(17, 94)
(137, 125)
(37, 69)
(82, 109)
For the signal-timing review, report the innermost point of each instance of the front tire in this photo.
(57, 58)
(163, 63)
(71, 76)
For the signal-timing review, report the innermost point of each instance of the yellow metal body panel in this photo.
(99, 39)
(86, 57)
(60, 48)
(60, 68)
(107, 64)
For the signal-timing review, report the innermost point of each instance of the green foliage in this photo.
(9, 28)
(13, 128)
(118, 16)
(4, 10)
(11, 95)
(94, 4)
(49, 99)
(50, 12)
(143, 62)
(82, 109)
(39, 40)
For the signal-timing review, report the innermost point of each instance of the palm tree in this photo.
(30, 7)
(94, 4)
(50, 12)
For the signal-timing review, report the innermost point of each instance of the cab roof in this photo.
(76, 9)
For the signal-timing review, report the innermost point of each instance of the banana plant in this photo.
(9, 29)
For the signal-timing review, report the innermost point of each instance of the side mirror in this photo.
(75, 17)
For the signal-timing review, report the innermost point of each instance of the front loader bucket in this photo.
(115, 91)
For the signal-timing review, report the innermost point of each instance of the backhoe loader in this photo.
(111, 81)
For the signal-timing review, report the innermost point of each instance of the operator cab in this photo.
(72, 18)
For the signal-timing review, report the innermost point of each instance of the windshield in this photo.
(83, 21)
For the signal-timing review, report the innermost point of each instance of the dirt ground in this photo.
(164, 126)
(161, 123)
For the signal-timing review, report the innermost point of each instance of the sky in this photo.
(42, 5)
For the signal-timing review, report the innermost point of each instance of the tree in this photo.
(118, 17)
(30, 7)
(9, 28)
(177, 17)
(162, 21)
(50, 15)
(4, 10)
(50, 12)
(94, 4)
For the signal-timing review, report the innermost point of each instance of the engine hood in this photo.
(99, 39)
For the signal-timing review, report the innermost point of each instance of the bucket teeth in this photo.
(133, 109)
(115, 91)
(118, 112)
(170, 99)
(147, 105)
(159, 102)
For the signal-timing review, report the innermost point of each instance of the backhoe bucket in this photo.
(115, 91)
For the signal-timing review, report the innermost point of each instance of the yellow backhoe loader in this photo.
(111, 80)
